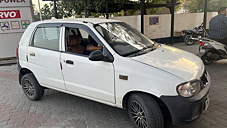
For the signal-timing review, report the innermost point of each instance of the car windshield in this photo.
(124, 39)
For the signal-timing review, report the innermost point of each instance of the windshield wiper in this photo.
(141, 51)
(150, 47)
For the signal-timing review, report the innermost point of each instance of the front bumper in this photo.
(184, 110)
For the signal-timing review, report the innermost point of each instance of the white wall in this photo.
(160, 30)
(9, 43)
(182, 21)
(131, 20)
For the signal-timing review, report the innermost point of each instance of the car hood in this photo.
(174, 61)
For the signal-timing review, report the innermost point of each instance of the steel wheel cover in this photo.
(28, 87)
(138, 115)
(188, 40)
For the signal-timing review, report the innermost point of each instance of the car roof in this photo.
(80, 20)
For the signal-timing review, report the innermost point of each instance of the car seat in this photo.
(74, 44)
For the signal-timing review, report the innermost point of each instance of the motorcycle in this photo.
(191, 36)
(211, 50)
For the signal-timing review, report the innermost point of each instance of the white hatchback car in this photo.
(110, 62)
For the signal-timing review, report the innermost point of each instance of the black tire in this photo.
(187, 39)
(31, 87)
(207, 60)
(144, 111)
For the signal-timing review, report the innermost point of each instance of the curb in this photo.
(8, 62)
(5, 64)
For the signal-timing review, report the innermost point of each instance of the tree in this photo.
(195, 6)
(84, 7)
(45, 11)
(72, 8)
(161, 10)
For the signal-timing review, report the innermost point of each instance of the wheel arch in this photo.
(22, 72)
(161, 104)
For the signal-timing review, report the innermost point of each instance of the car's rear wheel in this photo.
(31, 87)
(144, 111)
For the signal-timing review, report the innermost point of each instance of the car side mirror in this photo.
(97, 55)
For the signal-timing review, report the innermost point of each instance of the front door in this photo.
(90, 79)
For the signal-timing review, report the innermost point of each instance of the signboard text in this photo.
(10, 14)
(12, 1)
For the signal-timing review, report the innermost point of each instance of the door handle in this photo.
(32, 54)
(69, 62)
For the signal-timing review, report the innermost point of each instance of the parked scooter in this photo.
(211, 50)
(191, 36)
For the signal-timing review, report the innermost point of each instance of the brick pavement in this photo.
(60, 110)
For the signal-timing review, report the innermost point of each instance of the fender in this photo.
(187, 31)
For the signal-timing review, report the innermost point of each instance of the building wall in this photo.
(163, 27)
(160, 30)
(9, 43)
(131, 20)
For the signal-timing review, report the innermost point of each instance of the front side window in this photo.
(124, 39)
(83, 33)
(81, 41)
(47, 37)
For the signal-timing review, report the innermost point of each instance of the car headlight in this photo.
(189, 89)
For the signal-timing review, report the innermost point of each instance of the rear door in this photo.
(44, 56)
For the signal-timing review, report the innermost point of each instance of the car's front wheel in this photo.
(144, 111)
(31, 87)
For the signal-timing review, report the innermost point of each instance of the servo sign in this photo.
(10, 14)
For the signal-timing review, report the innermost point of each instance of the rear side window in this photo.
(47, 37)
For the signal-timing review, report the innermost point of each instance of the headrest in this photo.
(74, 40)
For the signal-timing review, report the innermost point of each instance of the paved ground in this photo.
(59, 110)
